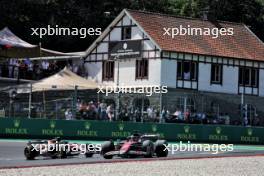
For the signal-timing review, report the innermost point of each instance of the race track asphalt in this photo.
(11, 155)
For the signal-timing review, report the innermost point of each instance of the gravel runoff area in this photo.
(235, 166)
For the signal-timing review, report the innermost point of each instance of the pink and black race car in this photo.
(136, 145)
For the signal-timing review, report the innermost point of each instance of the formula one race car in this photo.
(54, 148)
(136, 145)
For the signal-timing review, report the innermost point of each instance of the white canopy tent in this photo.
(63, 80)
(11, 46)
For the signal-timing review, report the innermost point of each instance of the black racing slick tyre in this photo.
(62, 154)
(29, 153)
(88, 155)
(148, 147)
(108, 156)
(107, 147)
(160, 148)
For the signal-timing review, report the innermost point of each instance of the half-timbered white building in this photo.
(206, 74)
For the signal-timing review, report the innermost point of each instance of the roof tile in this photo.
(242, 44)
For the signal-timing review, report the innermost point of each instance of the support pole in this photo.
(44, 104)
(185, 104)
(75, 101)
(161, 118)
(242, 106)
(118, 95)
(30, 101)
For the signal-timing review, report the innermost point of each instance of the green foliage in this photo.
(21, 15)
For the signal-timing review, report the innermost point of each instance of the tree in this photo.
(21, 15)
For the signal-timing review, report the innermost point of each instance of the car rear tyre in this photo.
(108, 156)
(62, 154)
(148, 147)
(29, 153)
(107, 147)
(88, 155)
(160, 148)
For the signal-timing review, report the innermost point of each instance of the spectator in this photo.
(68, 115)
(83, 110)
(226, 119)
(187, 75)
(98, 110)
(37, 71)
(187, 115)
(103, 108)
(110, 112)
(69, 66)
(163, 115)
(44, 67)
(91, 110)
(137, 115)
(245, 121)
(150, 112)
(11, 64)
(78, 104)
(177, 113)
(75, 68)
(16, 68)
(29, 66)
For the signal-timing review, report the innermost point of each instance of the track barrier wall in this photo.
(104, 130)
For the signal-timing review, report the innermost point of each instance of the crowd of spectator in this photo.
(33, 70)
(104, 111)
(92, 111)
(196, 118)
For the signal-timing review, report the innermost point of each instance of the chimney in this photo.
(205, 13)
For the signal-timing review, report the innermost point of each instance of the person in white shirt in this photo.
(75, 68)
(187, 75)
(110, 112)
(44, 67)
(68, 114)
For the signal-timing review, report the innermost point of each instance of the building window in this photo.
(187, 70)
(126, 33)
(108, 70)
(142, 69)
(248, 76)
(216, 73)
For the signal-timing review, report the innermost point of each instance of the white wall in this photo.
(127, 73)
(136, 33)
(261, 82)
(126, 20)
(102, 47)
(168, 73)
(115, 34)
(127, 68)
(229, 84)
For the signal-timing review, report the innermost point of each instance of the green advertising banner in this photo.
(103, 130)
